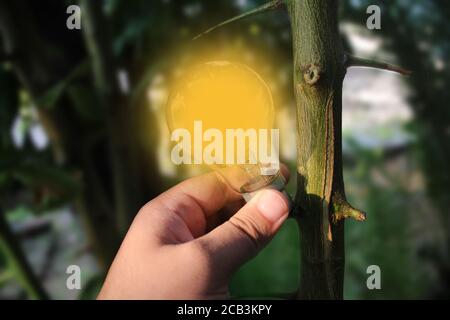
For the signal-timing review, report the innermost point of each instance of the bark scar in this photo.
(329, 150)
(329, 160)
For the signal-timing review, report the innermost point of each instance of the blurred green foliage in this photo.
(153, 38)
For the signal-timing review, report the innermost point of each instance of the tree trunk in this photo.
(319, 69)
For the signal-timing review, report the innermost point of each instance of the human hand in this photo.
(188, 242)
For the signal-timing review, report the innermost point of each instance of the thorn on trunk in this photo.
(343, 210)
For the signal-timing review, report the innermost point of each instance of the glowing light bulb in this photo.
(225, 113)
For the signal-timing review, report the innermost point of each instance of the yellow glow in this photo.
(222, 95)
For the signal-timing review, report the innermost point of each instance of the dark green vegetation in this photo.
(102, 156)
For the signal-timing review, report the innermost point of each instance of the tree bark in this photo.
(320, 205)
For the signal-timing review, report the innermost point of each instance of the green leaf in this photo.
(18, 213)
(52, 96)
(36, 173)
(85, 102)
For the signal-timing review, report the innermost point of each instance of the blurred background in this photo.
(84, 142)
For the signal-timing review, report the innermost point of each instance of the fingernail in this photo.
(272, 205)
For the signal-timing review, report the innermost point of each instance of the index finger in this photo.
(197, 200)
(184, 210)
(210, 191)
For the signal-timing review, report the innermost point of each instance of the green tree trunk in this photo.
(319, 70)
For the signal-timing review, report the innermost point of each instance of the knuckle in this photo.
(253, 231)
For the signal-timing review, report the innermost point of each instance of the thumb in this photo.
(241, 237)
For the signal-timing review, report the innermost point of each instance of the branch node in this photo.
(274, 4)
(343, 210)
(311, 73)
(352, 61)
